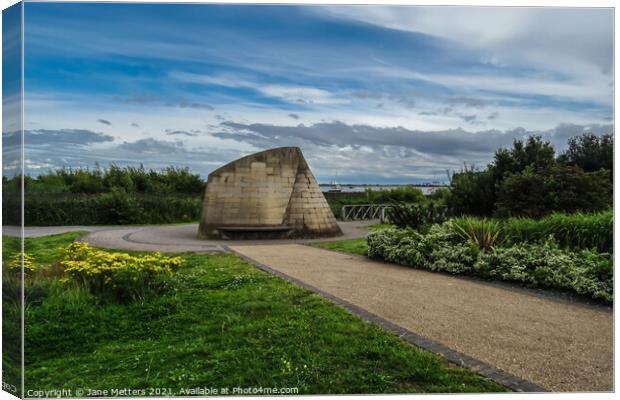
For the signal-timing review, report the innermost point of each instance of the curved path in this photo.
(519, 337)
(177, 238)
(171, 238)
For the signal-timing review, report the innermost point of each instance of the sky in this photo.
(371, 94)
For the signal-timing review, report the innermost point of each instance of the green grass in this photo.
(46, 249)
(353, 246)
(221, 323)
(573, 231)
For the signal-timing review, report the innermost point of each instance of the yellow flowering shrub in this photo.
(124, 274)
(15, 263)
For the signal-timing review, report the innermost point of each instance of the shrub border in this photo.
(497, 375)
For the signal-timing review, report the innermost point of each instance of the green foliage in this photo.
(120, 274)
(12, 307)
(590, 152)
(440, 196)
(574, 231)
(472, 192)
(403, 194)
(482, 233)
(546, 265)
(534, 153)
(527, 180)
(224, 322)
(128, 179)
(105, 197)
(585, 272)
(112, 208)
(415, 216)
(557, 188)
(408, 246)
(352, 246)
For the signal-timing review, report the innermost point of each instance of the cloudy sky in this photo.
(370, 94)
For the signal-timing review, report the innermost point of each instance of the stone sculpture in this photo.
(270, 194)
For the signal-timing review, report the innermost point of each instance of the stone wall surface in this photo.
(272, 188)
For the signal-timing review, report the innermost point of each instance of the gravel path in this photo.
(38, 231)
(552, 342)
(171, 238)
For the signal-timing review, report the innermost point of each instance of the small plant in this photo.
(123, 274)
(416, 216)
(16, 263)
(484, 233)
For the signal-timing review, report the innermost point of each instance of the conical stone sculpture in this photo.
(271, 194)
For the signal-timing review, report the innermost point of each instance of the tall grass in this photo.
(575, 231)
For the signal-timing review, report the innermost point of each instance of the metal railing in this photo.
(359, 212)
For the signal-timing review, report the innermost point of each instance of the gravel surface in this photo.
(170, 238)
(559, 344)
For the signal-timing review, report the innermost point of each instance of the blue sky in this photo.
(375, 94)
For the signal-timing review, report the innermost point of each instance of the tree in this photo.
(472, 192)
(522, 194)
(561, 188)
(590, 152)
(534, 152)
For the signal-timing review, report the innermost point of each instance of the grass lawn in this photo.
(221, 323)
(353, 246)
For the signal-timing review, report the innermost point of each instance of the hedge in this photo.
(544, 265)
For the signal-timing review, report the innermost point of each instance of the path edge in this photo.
(487, 370)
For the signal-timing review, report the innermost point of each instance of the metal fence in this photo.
(359, 212)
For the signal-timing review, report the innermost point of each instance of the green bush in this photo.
(456, 258)
(129, 195)
(121, 274)
(472, 193)
(416, 216)
(111, 208)
(408, 246)
(440, 196)
(404, 194)
(558, 188)
(128, 179)
(544, 265)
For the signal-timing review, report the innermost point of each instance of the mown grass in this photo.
(353, 246)
(221, 323)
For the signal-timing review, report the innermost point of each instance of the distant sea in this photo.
(426, 189)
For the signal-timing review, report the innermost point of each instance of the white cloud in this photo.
(288, 93)
(550, 36)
